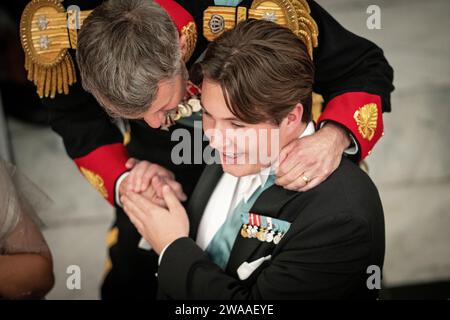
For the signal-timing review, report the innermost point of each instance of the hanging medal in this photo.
(269, 236)
(261, 235)
(244, 232)
(277, 237)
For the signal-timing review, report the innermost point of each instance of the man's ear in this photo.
(183, 44)
(294, 117)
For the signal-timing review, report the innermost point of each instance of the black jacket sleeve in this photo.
(80, 121)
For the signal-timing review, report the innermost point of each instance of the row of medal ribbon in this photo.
(261, 233)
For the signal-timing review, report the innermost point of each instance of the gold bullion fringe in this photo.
(53, 79)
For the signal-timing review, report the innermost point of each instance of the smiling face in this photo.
(244, 148)
(256, 94)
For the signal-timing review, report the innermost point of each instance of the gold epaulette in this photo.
(294, 14)
(46, 33)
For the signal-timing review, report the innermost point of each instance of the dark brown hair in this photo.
(264, 71)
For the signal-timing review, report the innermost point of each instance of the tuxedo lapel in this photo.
(202, 192)
(269, 203)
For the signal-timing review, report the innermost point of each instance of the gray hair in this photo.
(125, 48)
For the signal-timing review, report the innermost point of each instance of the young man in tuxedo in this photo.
(242, 236)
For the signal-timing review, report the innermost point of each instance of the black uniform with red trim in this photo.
(352, 75)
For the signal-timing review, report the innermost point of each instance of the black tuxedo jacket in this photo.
(336, 232)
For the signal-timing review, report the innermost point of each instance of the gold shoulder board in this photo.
(45, 40)
(294, 14)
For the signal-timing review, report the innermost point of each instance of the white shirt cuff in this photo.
(143, 244)
(162, 253)
(353, 148)
(116, 190)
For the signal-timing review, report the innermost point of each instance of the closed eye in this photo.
(237, 125)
